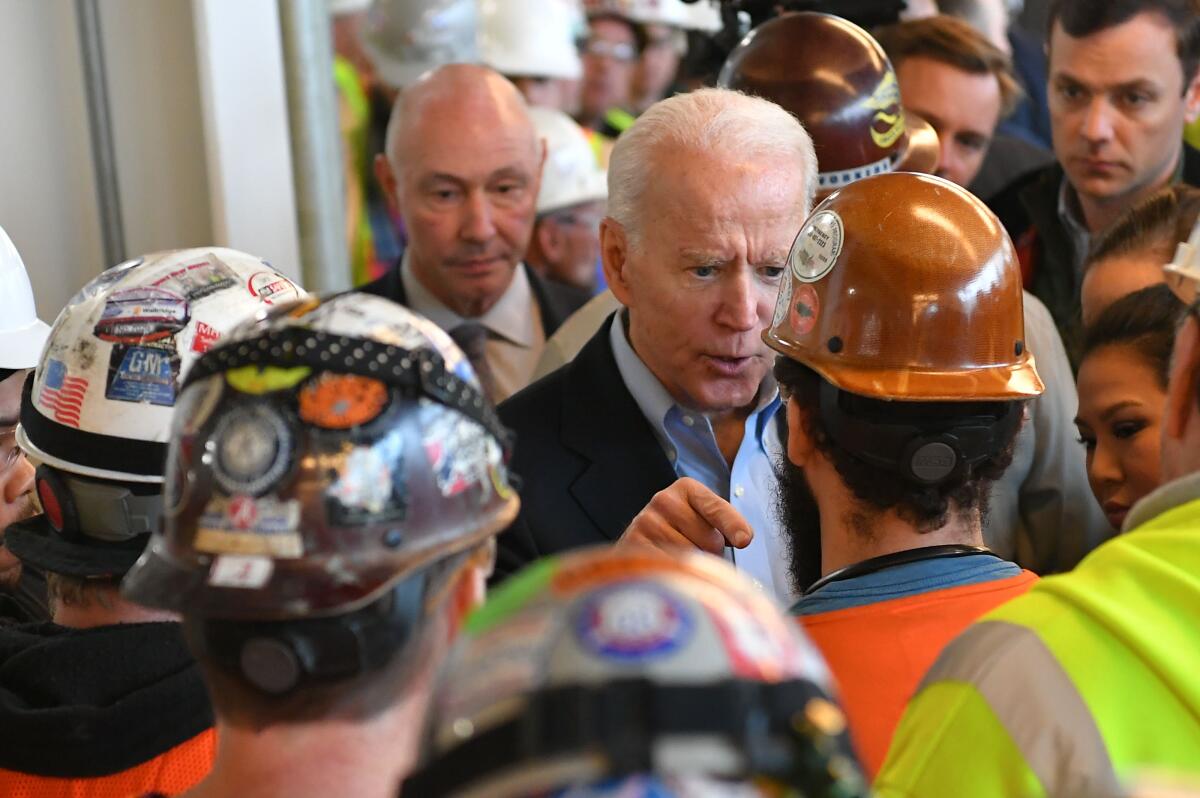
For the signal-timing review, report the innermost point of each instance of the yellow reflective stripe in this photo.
(1036, 703)
(949, 743)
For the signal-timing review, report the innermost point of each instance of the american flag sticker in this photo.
(62, 394)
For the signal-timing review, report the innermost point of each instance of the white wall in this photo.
(200, 130)
(47, 191)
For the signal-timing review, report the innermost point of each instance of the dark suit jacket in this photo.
(586, 456)
(1028, 209)
(556, 301)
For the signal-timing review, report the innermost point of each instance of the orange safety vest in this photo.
(170, 773)
(879, 652)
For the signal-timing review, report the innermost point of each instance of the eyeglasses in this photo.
(602, 48)
(10, 453)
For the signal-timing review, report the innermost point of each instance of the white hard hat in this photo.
(531, 38)
(407, 38)
(1183, 273)
(702, 16)
(22, 333)
(105, 386)
(571, 175)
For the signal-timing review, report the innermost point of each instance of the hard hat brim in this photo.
(21, 348)
(920, 150)
(998, 383)
(34, 542)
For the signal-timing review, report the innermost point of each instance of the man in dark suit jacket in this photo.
(463, 164)
(1123, 79)
(664, 429)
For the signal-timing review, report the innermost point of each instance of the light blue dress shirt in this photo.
(687, 439)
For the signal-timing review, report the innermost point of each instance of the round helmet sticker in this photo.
(806, 309)
(817, 247)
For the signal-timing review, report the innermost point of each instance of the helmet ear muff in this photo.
(58, 503)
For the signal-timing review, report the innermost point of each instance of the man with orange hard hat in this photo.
(903, 364)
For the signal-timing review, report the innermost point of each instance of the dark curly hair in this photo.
(881, 490)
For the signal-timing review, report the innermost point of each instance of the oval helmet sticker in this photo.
(817, 247)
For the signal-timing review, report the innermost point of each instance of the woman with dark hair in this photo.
(1122, 388)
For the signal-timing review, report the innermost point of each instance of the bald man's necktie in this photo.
(472, 340)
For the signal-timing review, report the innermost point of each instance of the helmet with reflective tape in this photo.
(531, 38)
(608, 665)
(97, 411)
(571, 174)
(407, 38)
(319, 457)
(22, 333)
(906, 287)
(836, 79)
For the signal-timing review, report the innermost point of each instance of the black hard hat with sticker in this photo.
(320, 456)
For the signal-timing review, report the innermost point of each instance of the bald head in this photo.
(453, 96)
(463, 167)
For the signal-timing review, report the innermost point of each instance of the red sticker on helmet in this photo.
(806, 309)
(341, 401)
(50, 504)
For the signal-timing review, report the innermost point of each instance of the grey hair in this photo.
(722, 121)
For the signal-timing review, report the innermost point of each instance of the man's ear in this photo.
(800, 446)
(614, 254)
(1185, 374)
(387, 181)
(1191, 99)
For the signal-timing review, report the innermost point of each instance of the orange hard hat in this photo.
(835, 78)
(906, 287)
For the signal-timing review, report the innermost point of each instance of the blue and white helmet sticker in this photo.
(633, 622)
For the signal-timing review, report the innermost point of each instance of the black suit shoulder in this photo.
(585, 456)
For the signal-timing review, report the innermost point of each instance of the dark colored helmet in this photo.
(835, 78)
(318, 458)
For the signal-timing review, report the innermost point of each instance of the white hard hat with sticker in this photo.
(105, 389)
(22, 333)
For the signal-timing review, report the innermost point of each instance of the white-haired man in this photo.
(669, 414)
(463, 166)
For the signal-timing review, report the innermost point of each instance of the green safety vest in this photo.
(1086, 684)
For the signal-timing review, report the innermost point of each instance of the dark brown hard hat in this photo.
(318, 457)
(906, 287)
(835, 78)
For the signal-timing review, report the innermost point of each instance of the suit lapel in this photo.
(603, 423)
